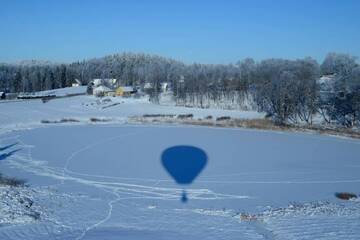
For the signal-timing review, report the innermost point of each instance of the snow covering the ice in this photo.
(106, 181)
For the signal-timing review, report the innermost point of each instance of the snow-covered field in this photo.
(106, 181)
(30, 113)
(60, 92)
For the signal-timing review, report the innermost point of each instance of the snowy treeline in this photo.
(292, 90)
(342, 105)
(35, 76)
(288, 90)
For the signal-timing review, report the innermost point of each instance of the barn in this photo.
(101, 91)
(125, 91)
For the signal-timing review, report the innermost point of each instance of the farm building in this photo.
(165, 86)
(76, 83)
(102, 91)
(125, 91)
(327, 86)
(109, 82)
(148, 86)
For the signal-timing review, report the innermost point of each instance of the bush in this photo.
(46, 121)
(63, 120)
(158, 115)
(184, 116)
(9, 181)
(106, 100)
(68, 120)
(345, 195)
(223, 118)
(93, 119)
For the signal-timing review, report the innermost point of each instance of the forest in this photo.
(289, 91)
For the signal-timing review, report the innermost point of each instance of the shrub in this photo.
(158, 115)
(68, 120)
(183, 116)
(345, 195)
(223, 118)
(63, 120)
(9, 181)
(45, 121)
(93, 119)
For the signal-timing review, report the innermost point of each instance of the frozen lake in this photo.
(107, 182)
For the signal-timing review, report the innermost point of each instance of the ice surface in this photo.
(107, 182)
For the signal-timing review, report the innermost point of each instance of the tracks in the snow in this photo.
(130, 189)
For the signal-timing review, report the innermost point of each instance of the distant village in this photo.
(112, 87)
(102, 87)
(99, 87)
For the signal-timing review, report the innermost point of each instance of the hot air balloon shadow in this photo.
(184, 163)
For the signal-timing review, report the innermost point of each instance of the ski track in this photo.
(135, 191)
(108, 216)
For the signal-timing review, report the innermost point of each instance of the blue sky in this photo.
(191, 31)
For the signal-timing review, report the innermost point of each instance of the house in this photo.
(76, 83)
(125, 91)
(11, 95)
(97, 82)
(148, 86)
(109, 82)
(109, 87)
(165, 86)
(101, 91)
(326, 84)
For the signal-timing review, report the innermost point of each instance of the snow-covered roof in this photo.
(327, 83)
(127, 88)
(102, 89)
(148, 85)
(106, 81)
(326, 78)
(97, 82)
